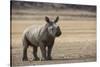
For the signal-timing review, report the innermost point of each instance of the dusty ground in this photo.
(76, 44)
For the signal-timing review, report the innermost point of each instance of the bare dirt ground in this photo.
(76, 44)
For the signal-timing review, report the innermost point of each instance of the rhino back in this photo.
(32, 34)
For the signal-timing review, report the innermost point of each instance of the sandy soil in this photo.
(76, 44)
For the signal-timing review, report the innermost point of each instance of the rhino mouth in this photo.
(58, 34)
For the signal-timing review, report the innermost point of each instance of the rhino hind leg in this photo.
(35, 48)
(25, 58)
(25, 47)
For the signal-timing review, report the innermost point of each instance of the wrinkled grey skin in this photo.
(42, 37)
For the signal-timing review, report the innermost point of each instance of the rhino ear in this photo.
(57, 18)
(47, 19)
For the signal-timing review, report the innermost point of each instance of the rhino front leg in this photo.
(49, 50)
(43, 51)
